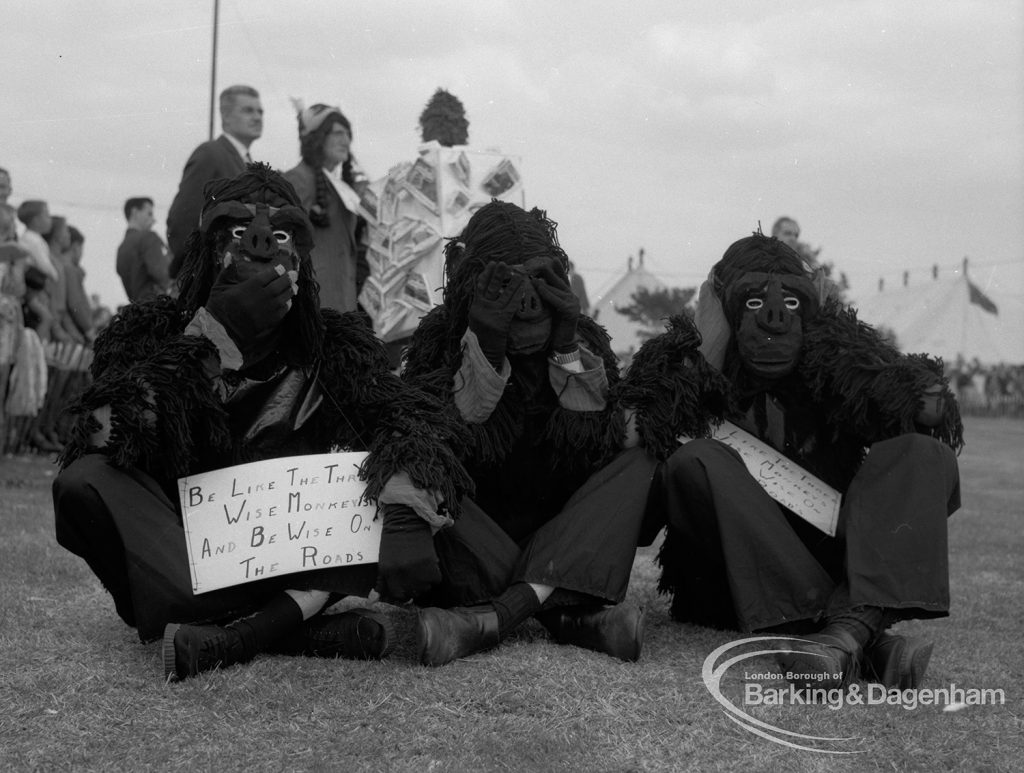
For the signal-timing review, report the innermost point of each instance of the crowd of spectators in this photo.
(988, 390)
(47, 323)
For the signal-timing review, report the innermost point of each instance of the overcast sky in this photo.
(892, 131)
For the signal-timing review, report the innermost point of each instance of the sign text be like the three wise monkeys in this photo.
(276, 517)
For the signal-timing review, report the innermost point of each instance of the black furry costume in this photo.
(531, 455)
(850, 393)
(326, 386)
(529, 441)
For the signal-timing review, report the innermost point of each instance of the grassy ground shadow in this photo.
(78, 691)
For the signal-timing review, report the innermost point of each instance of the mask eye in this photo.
(283, 237)
(237, 231)
(792, 302)
(754, 303)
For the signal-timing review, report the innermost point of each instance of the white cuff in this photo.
(400, 490)
(477, 385)
(206, 325)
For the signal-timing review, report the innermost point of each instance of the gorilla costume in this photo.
(242, 366)
(553, 524)
(827, 391)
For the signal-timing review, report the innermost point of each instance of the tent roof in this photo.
(950, 318)
(622, 330)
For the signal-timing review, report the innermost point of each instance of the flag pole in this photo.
(213, 67)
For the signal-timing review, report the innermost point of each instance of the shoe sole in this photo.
(917, 663)
(170, 666)
(912, 657)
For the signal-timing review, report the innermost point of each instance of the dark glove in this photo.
(250, 301)
(498, 296)
(407, 566)
(931, 407)
(565, 308)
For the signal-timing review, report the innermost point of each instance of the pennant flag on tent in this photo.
(979, 298)
(950, 317)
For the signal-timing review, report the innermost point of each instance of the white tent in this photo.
(623, 331)
(950, 317)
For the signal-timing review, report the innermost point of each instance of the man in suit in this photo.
(241, 116)
(142, 257)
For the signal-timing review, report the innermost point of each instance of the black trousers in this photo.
(587, 548)
(130, 534)
(737, 559)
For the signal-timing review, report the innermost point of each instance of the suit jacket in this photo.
(210, 161)
(335, 251)
(79, 312)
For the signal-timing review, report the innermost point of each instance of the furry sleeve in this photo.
(434, 354)
(672, 389)
(164, 405)
(870, 388)
(401, 426)
(587, 440)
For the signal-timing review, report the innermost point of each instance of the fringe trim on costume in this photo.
(668, 560)
(673, 390)
(165, 399)
(582, 441)
(585, 441)
(871, 388)
(402, 427)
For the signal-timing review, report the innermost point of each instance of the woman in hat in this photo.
(324, 180)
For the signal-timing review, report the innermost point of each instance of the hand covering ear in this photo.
(932, 406)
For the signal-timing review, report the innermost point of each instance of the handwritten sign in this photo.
(786, 482)
(276, 517)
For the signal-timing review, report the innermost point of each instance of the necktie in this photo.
(776, 417)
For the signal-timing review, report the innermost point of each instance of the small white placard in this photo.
(785, 481)
(275, 517)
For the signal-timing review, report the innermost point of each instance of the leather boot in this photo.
(614, 630)
(356, 634)
(832, 657)
(825, 660)
(896, 662)
(191, 649)
(446, 634)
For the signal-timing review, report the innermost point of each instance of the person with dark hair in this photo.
(552, 527)
(826, 391)
(242, 366)
(35, 216)
(59, 242)
(142, 260)
(79, 309)
(241, 116)
(787, 231)
(324, 180)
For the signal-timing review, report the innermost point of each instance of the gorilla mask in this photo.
(767, 294)
(768, 322)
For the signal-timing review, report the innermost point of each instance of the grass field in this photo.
(79, 692)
